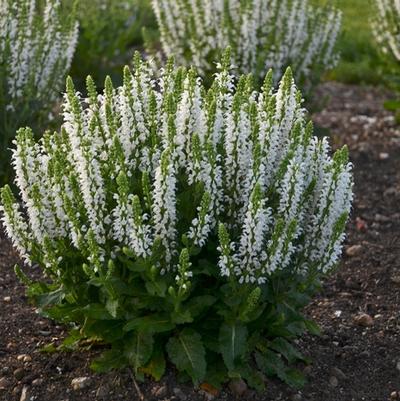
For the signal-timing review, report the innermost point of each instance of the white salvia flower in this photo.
(16, 228)
(252, 241)
(164, 204)
(165, 171)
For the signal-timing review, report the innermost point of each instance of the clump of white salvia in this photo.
(37, 43)
(263, 35)
(167, 169)
(386, 26)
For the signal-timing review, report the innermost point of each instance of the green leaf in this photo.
(187, 352)
(49, 349)
(270, 363)
(232, 343)
(157, 288)
(198, 305)
(96, 311)
(294, 378)
(22, 276)
(216, 373)
(138, 349)
(283, 347)
(50, 298)
(312, 327)
(253, 377)
(138, 266)
(109, 330)
(111, 359)
(152, 323)
(63, 313)
(156, 366)
(37, 289)
(72, 341)
(181, 317)
(296, 328)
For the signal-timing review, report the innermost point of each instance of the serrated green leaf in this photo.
(156, 366)
(232, 343)
(109, 360)
(109, 330)
(152, 323)
(50, 298)
(312, 327)
(253, 377)
(270, 363)
(63, 313)
(72, 341)
(96, 311)
(294, 378)
(138, 266)
(187, 352)
(283, 347)
(138, 349)
(198, 305)
(181, 317)
(158, 288)
(216, 373)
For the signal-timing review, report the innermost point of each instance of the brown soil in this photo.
(356, 358)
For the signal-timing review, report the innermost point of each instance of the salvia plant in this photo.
(37, 43)
(263, 35)
(386, 26)
(181, 224)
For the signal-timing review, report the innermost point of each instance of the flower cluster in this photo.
(37, 43)
(263, 35)
(386, 25)
(159, 196)
(243, 159)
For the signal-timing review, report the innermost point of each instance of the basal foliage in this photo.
(37, 43)
(183, 224)
(263, 34)
(386, 26)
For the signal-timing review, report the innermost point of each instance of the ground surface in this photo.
(357, 357)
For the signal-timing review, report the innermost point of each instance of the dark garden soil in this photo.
(356, 358)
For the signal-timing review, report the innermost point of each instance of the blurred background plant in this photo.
(386, 29)
(109, 32)
(361, 61)
(262, 35)
(37, 43)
